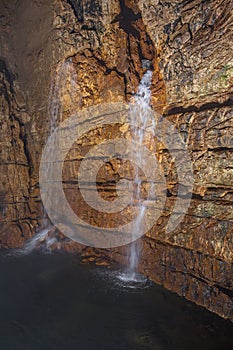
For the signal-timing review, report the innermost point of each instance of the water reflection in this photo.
(54, 302)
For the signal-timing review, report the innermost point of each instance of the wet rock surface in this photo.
(189, 45)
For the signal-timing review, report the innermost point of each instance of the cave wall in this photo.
(193, 39)
(189, 44)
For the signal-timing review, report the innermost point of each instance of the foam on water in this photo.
(124, 280)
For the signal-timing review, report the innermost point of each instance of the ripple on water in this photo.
(125, 280)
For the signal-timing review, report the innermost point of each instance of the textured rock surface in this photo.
(24, 71)
(100, 46)
(194, 40)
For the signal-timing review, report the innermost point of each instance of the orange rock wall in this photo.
(189, 44)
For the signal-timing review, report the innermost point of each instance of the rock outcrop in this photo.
(189, 44)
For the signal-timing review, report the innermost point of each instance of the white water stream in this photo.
(140, 115)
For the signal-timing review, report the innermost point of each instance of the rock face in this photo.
(24, 80)
(91, 52)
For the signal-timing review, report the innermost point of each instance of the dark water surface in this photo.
(54, 302)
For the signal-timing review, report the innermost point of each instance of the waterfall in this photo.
(63, 87)
(62, 103)
(140, 115)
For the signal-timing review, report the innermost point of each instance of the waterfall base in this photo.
(41, 239)
(132, 279)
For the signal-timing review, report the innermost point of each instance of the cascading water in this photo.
(63, 86)
(141, 116)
